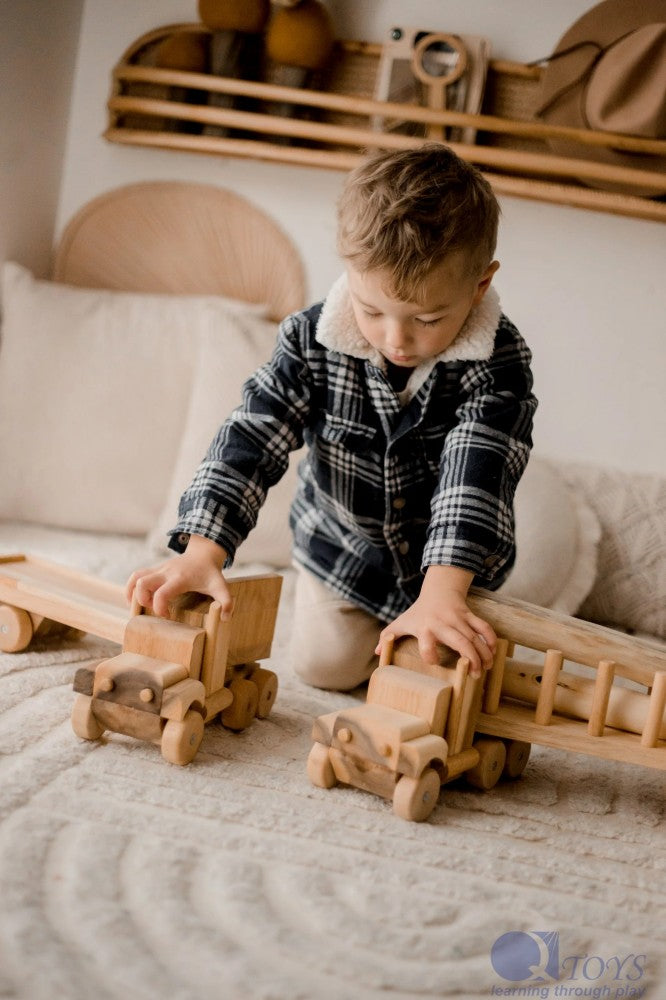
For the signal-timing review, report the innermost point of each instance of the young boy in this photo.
(414, 395)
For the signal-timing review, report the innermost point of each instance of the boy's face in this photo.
(407, 333)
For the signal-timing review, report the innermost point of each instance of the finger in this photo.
(391, 632)
(387, 634)
(163, 595)
(221, 593)
(476, 641)
(465, 647)
(145, 588)
(482, 627)
(484, 651)
(131, 583)
(428, 648)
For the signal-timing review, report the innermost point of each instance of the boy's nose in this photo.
(396, 336)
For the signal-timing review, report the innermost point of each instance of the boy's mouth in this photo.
(401, 359)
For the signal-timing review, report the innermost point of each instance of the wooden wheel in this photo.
(267, 685)
(415, 798)
(181, 740)
(15, 629)
(84, 723)
(320, 769)
(492, 758)
(517, 756)
(243, 708)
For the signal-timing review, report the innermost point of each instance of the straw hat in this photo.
(608, 73)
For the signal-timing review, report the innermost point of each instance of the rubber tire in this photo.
(84, 722)
(243, 708)
(517, 756)
(415, 798)
(16, 629)
(319, 767)
(182, 739)
(488, 771)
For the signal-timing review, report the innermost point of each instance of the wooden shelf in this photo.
(331, 127)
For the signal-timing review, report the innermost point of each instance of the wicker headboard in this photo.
(185, 238)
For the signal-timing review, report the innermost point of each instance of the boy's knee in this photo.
(331, 669)
(333, 642)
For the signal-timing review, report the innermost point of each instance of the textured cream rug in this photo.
(124, 877)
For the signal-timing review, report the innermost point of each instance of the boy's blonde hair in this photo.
(405, 211)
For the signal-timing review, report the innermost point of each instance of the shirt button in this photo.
(399, 503)
(183, 538)
(403, 548)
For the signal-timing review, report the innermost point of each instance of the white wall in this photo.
(585, 288)
(38, 43)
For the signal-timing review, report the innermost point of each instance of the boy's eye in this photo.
(429, 322)
(371, 315)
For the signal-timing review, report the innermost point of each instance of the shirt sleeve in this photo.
(250, 452)
(483, 458)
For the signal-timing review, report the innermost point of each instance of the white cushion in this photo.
(557, 539)
(221, 371)
(94, 391)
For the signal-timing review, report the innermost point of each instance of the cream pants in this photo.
(332, 642)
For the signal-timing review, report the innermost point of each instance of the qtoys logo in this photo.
(532, 959)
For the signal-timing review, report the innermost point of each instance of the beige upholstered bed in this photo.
(122, 876)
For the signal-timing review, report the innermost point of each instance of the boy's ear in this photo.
(485, 281)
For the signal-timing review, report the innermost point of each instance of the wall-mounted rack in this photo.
(333, 125)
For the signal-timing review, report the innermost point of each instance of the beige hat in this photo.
(608, 73)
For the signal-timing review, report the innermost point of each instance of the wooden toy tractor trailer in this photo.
(424, 725)
(173, 675)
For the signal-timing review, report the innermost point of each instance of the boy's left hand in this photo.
(441, 615)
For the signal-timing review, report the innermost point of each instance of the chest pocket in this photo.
(347, 433)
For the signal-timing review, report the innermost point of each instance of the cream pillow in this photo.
(217, 389)
(630, 591)
(94, 391)
(557, 540)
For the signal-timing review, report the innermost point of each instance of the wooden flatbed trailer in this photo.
(173, 675)
(424, 725)
(37, 596)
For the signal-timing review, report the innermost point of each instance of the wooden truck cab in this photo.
(392, 745)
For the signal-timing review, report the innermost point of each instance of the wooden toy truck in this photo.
(423, 725)
(173, 675)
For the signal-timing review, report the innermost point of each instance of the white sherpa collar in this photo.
(338, 330)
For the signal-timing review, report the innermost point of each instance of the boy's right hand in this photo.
(198, 569)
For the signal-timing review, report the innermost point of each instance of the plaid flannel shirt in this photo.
(391, 483)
